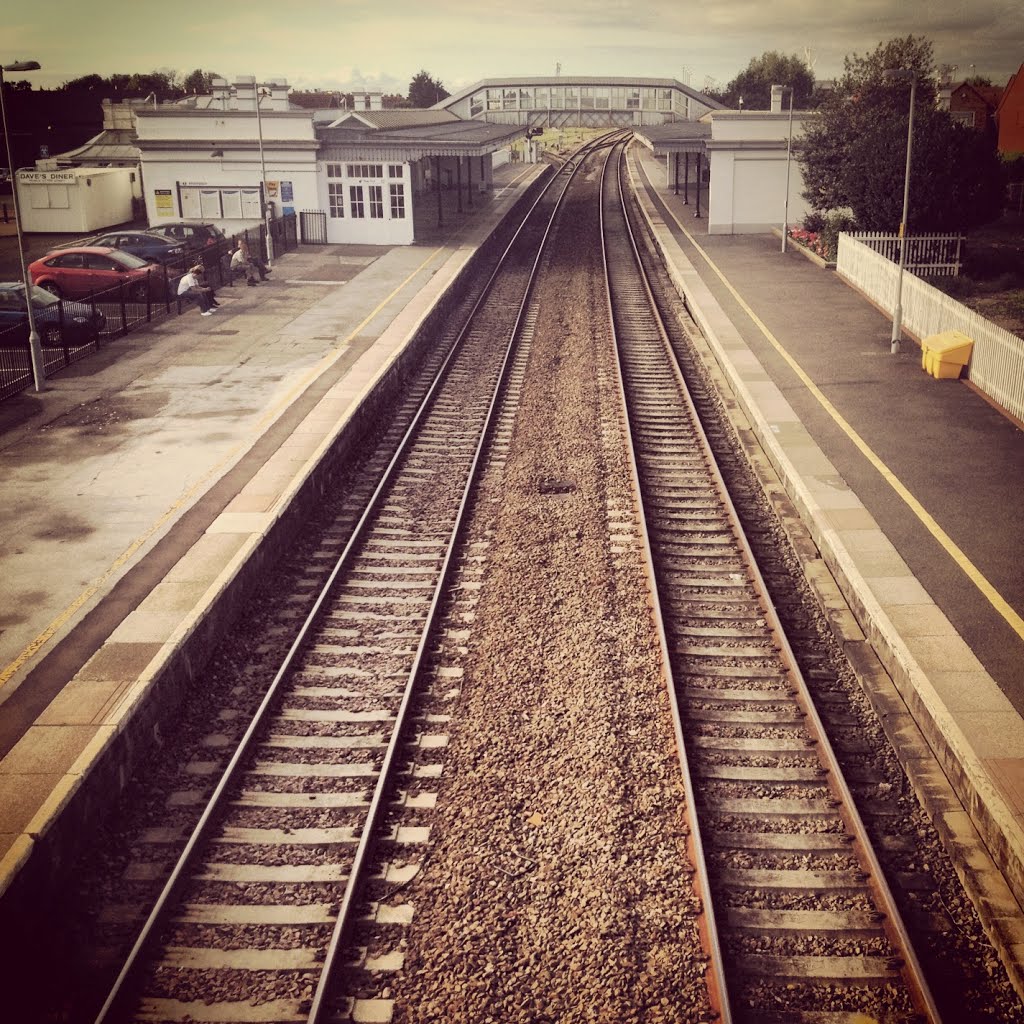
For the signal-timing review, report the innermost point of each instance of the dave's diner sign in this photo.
(47, 177)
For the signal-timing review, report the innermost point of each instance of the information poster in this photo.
(164, 201)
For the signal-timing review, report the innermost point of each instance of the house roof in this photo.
(112, 145)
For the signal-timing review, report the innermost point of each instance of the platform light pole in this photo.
(34, 347)
(263, 173)
(902, 74)
(789, 158)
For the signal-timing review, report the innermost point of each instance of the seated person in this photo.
(192, 287)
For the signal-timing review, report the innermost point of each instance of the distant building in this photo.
(974, 106)
(1010, 115)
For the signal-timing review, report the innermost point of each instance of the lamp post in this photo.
(901, 74)
(34, 348)
(789, 157)
(263, 172)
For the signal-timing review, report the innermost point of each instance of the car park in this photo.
(147, 245)
(85, 271)
(57, 323)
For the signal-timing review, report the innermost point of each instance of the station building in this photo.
(734, 166)
(228, 157)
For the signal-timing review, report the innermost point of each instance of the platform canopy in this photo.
(409, 135)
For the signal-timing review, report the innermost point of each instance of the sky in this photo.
(381, 44)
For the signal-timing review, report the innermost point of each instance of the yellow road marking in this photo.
(36, 645)
(998, 602)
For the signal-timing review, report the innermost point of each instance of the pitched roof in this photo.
(388, 120)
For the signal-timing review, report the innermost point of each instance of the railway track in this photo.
(801, 921)
(339, 759)
(555, 888)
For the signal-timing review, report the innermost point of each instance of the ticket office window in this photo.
(357, 203)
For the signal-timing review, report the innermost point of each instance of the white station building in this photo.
(370, 175)
(742, 159)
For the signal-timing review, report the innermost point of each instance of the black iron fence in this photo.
(71, 329)
(314, 227)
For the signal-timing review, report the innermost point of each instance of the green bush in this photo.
(834, 223)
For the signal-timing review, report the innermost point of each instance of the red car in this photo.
(89, 270)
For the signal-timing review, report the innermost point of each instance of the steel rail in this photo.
(892, 924)
(909, 967)
(317, 1007)
(718, 992)
(168, 891)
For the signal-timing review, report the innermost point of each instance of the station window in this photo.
(334, 170)
(336, 198)
(509, 99)
(526, 99)
(587, 97)
(572, 99)
(366, 170)
(664, 99)
(396, 170)
(476, 104)
(543, 98)
(633, 99)
(376, 201)
(355, 195)
(397, 202)
(601, 99)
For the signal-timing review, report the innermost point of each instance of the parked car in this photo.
(86, 270)
(74, 324)
(147, 245)
(193, 234)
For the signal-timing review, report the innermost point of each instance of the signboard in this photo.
(272, 187)
(287, 195)
(164, 202)
(47, 177)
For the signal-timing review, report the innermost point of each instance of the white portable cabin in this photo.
(75, 200)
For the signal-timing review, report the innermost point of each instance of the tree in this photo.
(754, 85)
(425, 91)
(199, 81)
(853, 155)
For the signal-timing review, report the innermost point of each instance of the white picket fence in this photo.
(997, 360)
(927, 255)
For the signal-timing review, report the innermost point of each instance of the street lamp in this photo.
(34, 348)
(789, 157)
(901, 74)
(263, 172)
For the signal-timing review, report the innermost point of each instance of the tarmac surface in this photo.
(176, 447)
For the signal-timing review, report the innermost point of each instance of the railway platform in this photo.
(911, 488)
(141, 481)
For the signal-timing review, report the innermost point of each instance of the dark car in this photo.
(85, 271)
(57, 323)
(193, 234)
(147, 245)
